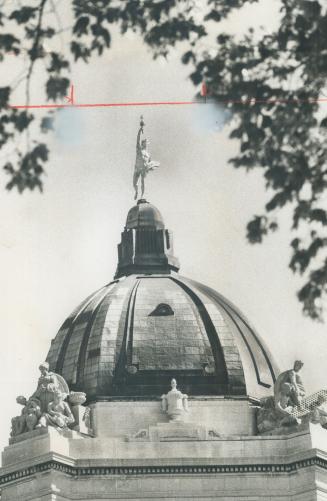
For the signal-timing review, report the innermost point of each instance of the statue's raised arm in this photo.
(138, 138)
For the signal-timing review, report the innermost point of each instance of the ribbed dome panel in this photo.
(132, 336)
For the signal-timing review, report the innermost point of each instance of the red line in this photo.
(102, 105)
(168, 103)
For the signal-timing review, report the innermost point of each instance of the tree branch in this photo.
(34, 50)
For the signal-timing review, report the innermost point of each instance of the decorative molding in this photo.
(154, 398)
(82, 471)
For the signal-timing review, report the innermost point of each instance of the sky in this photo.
(58, 247)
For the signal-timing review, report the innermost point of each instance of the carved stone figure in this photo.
(28, 418)
(175, 403)
(290, 405)
(48, 406)
(32, 413)
(290, 383)
(143, 162)
(59, 414)
(48, 383)
(266, 415)
(275, 414)
(18, 423)
(284, 406)
(279, 411)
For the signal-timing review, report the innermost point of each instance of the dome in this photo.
(144, 215)
(131, 337)
(150, 325)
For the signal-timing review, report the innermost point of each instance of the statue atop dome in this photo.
(143, 162)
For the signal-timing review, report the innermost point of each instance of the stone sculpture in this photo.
(52, 404)
(289, 386)
(319, 414)
(29, 417)
(58, 413)
(175, 403)
(143, 162)
(272, 416)
(289, 405)
(277, 411)
(48, 384)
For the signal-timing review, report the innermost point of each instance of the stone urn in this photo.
(77, 397)
(174, 403)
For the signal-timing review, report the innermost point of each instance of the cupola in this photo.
(146, 246)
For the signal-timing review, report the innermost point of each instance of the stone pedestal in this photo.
(82, 419)
(232, 416)
(51, 465)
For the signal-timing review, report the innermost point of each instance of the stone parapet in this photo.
(169, 464)
(83, 450)
(243, 469)
(225, 416)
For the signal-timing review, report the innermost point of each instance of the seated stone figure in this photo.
(28, 418)
(59, 414)
(33, 413)
(284, 406)
(289, 405)
(48, 406)
(48, 383)
(295, 386)
(271, 417)
(278, 411)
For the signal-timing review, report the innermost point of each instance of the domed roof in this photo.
(131, 337)
(144, 215)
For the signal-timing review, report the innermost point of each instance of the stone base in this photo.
(28, 435)
(37, 443)
(50, 466)
(286, 430)
(173, 431)
(229, 416)
(176, 461)
(44, 430)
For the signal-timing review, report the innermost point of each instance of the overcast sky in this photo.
(58, 247)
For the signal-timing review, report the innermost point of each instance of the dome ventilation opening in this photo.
(162, 310)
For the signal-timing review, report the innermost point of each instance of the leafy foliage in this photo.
(29, 170)
(161, 23)
(272, 87)
(270, 83)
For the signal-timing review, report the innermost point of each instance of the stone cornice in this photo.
(197, 398)
(212, 469)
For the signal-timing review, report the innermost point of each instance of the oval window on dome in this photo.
(162, 310)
